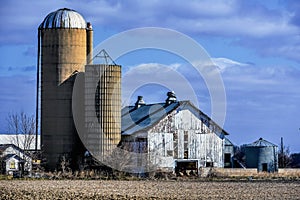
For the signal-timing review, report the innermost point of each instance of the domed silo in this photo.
(62, 44)
(262, 155)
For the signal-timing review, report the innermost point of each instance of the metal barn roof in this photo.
(136, 119)
(63, 18)
(146, 116)
(9, 156)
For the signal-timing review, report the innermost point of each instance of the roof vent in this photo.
(171, 97)
(140, 102)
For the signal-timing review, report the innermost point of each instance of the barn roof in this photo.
(137, 119)
(9, 156)
(3, 147)
(228, 142)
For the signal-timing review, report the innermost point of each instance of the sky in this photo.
(255, 44)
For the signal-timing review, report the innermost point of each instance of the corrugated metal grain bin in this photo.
(262, 155)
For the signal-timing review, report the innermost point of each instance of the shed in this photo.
(262, 155)
(11, 151)
(229, 150)
(13, 163)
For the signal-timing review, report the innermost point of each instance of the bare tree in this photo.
(23, 126)
(284, 157)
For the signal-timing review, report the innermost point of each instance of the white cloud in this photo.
(247, 23)
(224, 63)
(254, 92)
(260, 99)
(156, 74)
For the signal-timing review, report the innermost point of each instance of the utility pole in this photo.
(281, 151)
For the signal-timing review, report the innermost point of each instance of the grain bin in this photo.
(262, 155)
(62, 52)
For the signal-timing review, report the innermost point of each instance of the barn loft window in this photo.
(186, 136)
(186, 154)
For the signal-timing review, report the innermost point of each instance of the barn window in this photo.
(175, 150)
(175, 135)
(12, 165)
(186, 136)
(209, 164)
(169, 153)
(186, 154)
(186, 144)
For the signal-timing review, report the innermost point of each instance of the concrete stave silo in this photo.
(62, 52)
(102, 108)
(262, 155)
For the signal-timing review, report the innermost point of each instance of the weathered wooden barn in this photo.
(175, 135)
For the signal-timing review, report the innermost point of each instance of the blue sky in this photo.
(255, 44)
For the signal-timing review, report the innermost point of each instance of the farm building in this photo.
(175, 134)
(12, 163)
(262, 155)
(14, 159)
(229, 151)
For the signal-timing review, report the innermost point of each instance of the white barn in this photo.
(174, 134)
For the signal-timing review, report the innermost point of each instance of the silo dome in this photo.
(63, 18)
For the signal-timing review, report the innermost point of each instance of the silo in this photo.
(102, 108)
(262, 155)
(62, 53)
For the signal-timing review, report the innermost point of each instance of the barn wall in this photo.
(183, 136)
(9, 161)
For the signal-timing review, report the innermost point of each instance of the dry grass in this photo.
(283, 174)
(92, 189)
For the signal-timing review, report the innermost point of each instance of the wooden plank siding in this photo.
(183, 136)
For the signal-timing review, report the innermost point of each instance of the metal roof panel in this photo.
(63, 18)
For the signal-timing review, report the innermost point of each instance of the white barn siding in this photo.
(180, 132)
(160, 145)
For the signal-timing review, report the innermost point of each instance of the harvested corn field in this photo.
(90, 189)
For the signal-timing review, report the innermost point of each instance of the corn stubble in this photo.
(92, 189)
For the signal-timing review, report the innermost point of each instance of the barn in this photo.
(175, 135)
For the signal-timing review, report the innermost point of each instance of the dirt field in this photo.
(88, 189)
